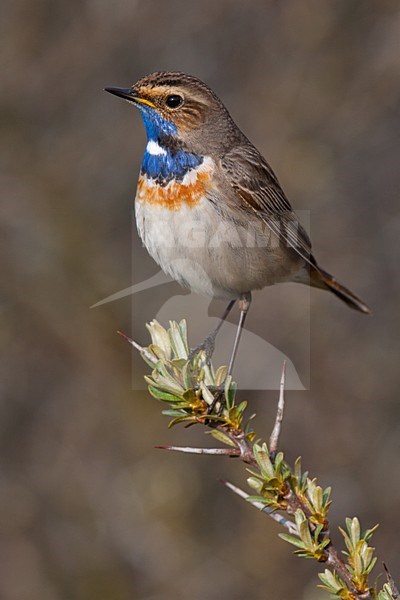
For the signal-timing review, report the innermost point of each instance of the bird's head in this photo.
(183, 107)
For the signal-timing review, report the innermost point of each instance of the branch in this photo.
(291, 527)
(196, 393)
(274, 439)
(189, 450)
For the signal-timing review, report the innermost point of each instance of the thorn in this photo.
(393, 588)
(141, 349)
(291, 527)
(274, 439)
(190, 450)
(123, 335)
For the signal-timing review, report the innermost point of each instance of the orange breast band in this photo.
(188, 192)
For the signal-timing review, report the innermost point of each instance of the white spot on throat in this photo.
(155, 149)
(190, 178)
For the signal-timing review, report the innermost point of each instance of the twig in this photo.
(393, 587)
(141, 349)
(291, 527)
(274, 439)
(190, 450)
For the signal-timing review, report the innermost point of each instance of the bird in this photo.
(209, 208)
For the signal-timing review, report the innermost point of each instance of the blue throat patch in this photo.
(175, 162)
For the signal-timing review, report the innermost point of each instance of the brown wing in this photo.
(258, 190)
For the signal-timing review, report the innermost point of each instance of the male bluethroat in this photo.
(209, 208)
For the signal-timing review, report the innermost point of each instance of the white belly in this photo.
(179, 241)
(209, 255)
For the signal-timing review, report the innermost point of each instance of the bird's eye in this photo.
(174, 101)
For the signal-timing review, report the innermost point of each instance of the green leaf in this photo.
(207, 395)
(354, 531)
(189, 395)
(369, 532)
(326, 495)
(186, 376)
(159, 337)
(181, 420)
(183, 328)
(261, 499)
(370, 566)
(278, 462)
(222, 437)
(147, 360)
(261, 455)
(347, 540)
(163, 371)
(317, 531)
(178, 344)
(158, 352)
(220, 375)
(324, 544)
(173, 413)
(164, 396)
(255, 483)
(332, 583)
(292, 540)
(167, 384)
(178, 364)
(297, 468)
(357, 564)
(241, 408)
(230, 392)
(303, 529)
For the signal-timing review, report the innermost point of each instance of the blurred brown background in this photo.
(89, 510)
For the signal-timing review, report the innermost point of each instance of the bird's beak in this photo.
(128, 94)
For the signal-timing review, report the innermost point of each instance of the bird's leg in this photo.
(244, 305)
(209, 343)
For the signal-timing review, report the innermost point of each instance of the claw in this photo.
(208, 346)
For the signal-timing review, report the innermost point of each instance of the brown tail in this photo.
(321, 279)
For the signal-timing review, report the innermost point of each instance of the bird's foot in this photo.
(207, 346)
